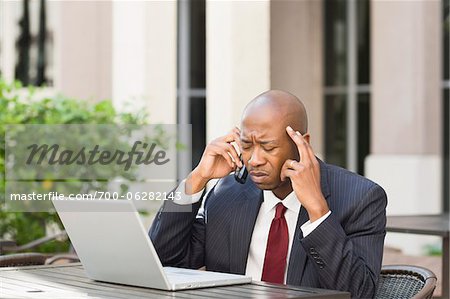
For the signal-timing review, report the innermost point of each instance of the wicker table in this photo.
(434, 225)
(70, 281)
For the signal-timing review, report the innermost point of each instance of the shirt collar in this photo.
(290, 202)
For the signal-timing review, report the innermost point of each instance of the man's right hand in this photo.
(218, 160)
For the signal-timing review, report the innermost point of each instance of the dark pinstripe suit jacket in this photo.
(342, 253)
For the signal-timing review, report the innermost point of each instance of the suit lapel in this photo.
(324, 180)
(246, 210)
(298, 257)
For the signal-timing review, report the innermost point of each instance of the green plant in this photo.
(433, 250)
(19, 105)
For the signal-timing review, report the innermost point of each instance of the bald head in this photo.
(264, 141)
(282, 106)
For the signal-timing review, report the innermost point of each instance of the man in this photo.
(297, 220)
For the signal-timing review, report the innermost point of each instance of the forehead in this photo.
(262, 127)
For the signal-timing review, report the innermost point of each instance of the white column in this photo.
(161, 64)
(406, 108)
(406, 76)
(83, 49)
(128, 57)
(238, 60)
(145, 68)
(10, 14)
(296, 58)
(144, 58)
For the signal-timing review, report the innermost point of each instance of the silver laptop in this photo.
(113, 246)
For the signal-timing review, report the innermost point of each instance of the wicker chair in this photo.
(33, 258)
(22, 259)
(401, 281)
(15, 258)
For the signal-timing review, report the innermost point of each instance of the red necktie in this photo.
(277, 248)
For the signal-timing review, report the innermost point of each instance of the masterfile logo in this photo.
(53, 155)
(91, 162)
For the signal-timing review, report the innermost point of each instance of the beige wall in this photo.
(238, 60)
(124, 51)
(406, 111)
(161, 61)
(406, 77)
(9, 30)
(145, 58)
(83, 52)
(296, 57)
(256, 46)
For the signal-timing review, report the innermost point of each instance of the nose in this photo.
(256, 158)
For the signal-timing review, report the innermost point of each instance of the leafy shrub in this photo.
(19, 105)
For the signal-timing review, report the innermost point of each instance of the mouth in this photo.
(258, 176)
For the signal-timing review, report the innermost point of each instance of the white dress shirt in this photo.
(258, 244)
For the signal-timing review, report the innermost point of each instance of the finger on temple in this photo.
(301, 144)
(309, 148)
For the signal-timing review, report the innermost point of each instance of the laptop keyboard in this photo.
(182, 272)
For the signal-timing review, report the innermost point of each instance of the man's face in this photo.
(265, 147)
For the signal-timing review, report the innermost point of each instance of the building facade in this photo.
(374, 75)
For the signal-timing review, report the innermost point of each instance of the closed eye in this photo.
(246, 145)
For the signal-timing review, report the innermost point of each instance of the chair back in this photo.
(402, 281)
(22, 259)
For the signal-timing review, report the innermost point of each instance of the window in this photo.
(26, 41)
(191, 81)
(347, 79)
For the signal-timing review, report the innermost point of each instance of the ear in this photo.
(307, 137)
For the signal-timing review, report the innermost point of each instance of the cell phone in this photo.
(241, 173)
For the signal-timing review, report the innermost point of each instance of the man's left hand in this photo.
(305, 177)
